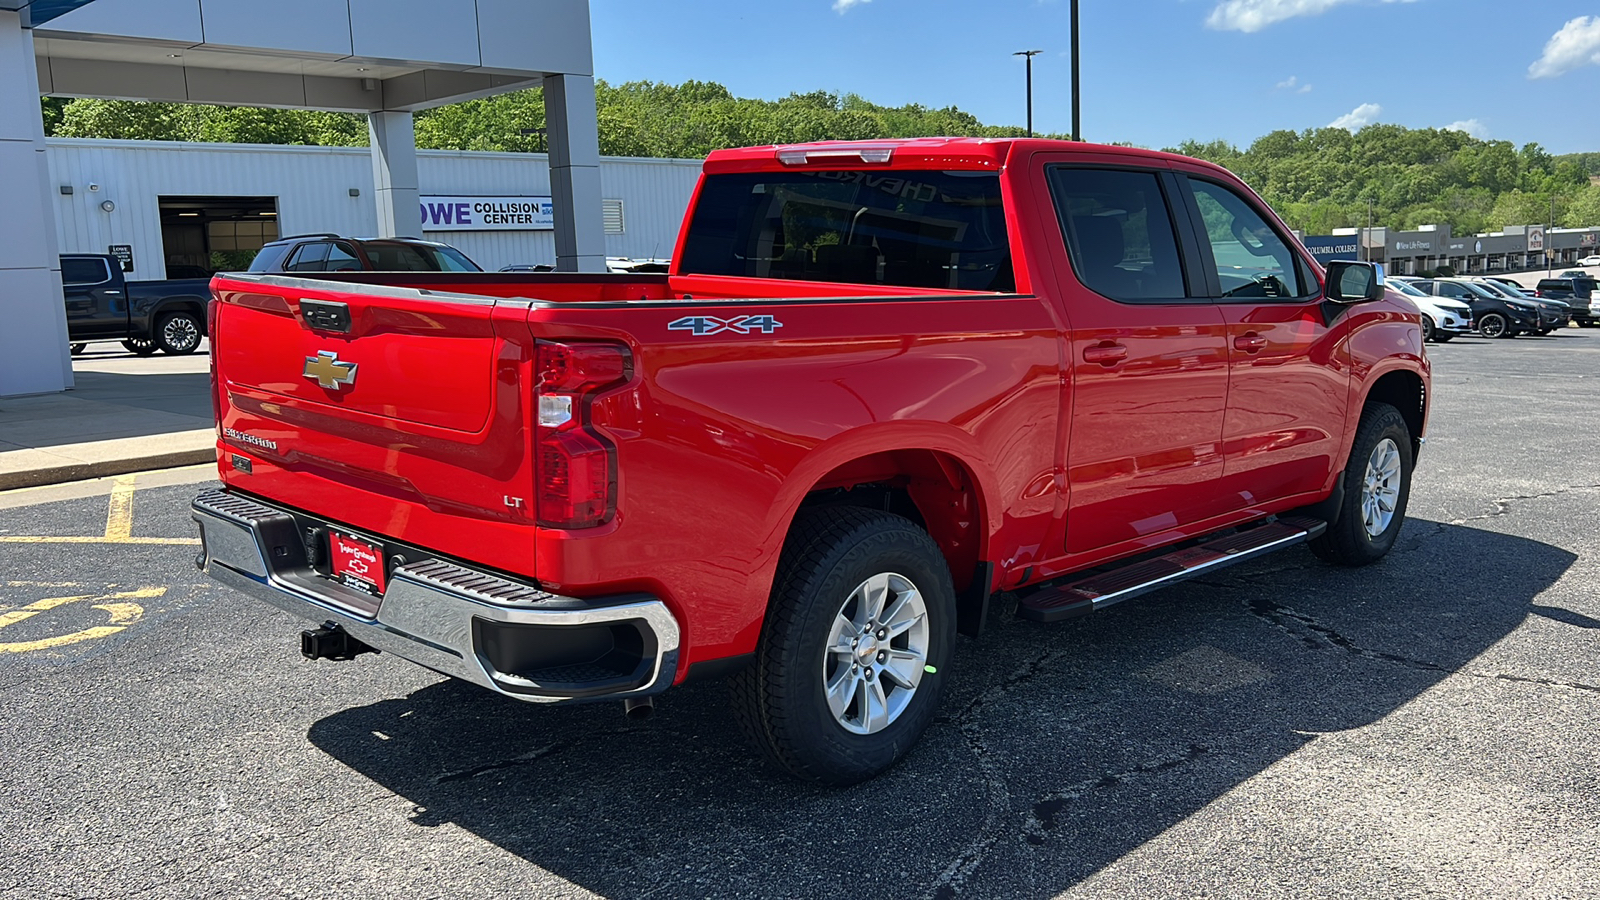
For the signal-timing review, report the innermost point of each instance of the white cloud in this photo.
(843, 6)
(1363, 115)
(1474, 127)
(1292, 83)
(1577, 44)
(1254, 15)
(1289, 82)
(1304, 89)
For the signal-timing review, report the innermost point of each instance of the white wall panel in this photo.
(312, 186)
(448, 31)
(166, 20)
(304, 26)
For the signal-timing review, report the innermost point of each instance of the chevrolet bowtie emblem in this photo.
(326, 369)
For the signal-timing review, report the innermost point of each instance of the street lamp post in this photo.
(1028, 55)
(1549, 234)
(1076, 134)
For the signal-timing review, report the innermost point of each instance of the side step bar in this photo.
(1077, 598)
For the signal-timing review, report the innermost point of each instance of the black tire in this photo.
(1428, 330)
(77, 348)
(1443, 337)
(1347, 542)
(781, 701)
(179, 333)
(1493, 325)
(140, 346)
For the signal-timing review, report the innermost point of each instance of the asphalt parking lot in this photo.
(1423, 727)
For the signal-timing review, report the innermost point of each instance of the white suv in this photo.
(1442, 318)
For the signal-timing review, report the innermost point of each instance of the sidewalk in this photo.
(125, 415)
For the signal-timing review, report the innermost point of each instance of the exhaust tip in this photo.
(638, 708)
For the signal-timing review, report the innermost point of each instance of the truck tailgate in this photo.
(390, 410)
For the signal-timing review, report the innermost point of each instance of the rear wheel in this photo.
(178, 333)
(1427, 328)
(859, 628)
(1376, 485)
(140, 346)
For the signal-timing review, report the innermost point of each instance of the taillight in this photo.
(577, 465)
(213, 313)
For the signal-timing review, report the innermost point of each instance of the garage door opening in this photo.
(204, 235)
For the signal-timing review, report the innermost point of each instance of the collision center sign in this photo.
(448, 213)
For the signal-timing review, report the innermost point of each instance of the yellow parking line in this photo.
(119, 516)
(120, 616)
(182, 542)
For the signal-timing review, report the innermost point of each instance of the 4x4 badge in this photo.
(704, 325)
(326, 370)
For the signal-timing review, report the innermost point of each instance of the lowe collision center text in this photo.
(487, 213)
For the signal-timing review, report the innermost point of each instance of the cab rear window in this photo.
(906, 228)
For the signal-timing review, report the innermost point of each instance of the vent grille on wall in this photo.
(611, 213)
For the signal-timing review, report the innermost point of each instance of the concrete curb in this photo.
(106, 468)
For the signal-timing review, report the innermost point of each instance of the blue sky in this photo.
(1155, 72)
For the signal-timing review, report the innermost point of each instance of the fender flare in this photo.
(866, 440)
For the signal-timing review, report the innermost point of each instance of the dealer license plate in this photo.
(356, 563)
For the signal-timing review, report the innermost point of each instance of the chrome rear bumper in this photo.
(508, 636)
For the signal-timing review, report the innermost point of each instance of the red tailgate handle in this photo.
(1250, 343)
(1105, 353)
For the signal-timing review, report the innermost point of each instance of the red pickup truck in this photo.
(882, 383)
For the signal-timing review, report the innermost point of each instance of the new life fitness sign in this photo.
(447, 213)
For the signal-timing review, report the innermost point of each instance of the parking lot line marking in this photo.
(119, 514)
(181, 542)
(119, 613)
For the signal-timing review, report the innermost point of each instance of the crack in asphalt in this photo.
(949, 882)
(475, 771)
(1317, 636)
(1042, 818)
(1502, 506)
(1546, 682)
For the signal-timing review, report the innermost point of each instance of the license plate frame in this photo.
(357, 563)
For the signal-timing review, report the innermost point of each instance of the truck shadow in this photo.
(1059, 749)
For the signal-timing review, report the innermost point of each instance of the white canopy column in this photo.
(33, 338)
(575, 172)
(394, 174)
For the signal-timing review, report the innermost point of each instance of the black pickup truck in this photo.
(145, 316)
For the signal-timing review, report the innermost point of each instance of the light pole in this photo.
(1028, 55)
(1076, 134)
(1549, 234)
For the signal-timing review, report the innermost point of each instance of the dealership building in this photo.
(161, 205)
(386, 59)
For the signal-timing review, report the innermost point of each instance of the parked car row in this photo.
(1498, 307)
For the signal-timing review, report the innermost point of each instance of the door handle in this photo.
(1250, 343)
(1106, 354)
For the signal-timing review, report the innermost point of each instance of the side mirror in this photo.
(1354, 282)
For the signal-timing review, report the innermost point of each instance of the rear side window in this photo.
(1252, 260)
(268, 257)
(85, 271)
(342, 258)
(388, 257)
(908, 228)
(1119, 234)
(309, 258)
